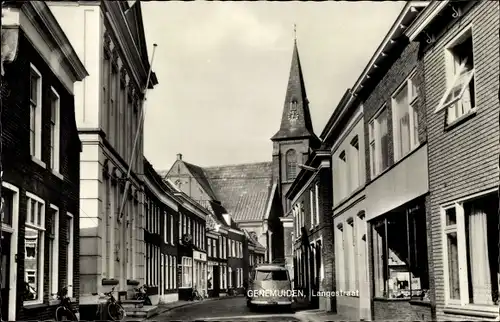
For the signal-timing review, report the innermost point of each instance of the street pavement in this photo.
(230, 309)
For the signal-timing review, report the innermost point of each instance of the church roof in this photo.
(296, 118)
(243, 189)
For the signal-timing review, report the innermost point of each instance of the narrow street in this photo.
(230, 309)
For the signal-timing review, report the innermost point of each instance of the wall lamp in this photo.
(306, 167)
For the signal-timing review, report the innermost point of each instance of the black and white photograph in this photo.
(303, 161)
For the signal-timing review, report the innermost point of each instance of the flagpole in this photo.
(131, 160)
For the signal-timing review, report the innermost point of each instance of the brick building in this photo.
(310, 196)
(109, 107)
(345, 138)
(216, 261)
(396, 190)
(40, 155)
(460, 78)
(254, 252)
(161, 237)
(191, 248)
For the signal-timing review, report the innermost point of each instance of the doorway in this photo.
(5, 274)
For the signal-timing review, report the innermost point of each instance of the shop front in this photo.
(200, 272)
(213, 279)
(400, 262)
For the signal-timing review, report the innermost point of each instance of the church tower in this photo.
(295, 138)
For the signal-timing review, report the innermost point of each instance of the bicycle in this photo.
(196, 296)
(65, 311)
(142, 295)
(115, 310)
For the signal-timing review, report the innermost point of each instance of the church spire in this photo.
(296, 118)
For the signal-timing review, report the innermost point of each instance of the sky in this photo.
(223, 69)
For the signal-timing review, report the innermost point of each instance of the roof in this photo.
(243, 189)
(252, 239)
(200, 176)
(301, 126)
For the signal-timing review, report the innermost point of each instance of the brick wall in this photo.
(462, 160)
(403, 310)
(381, 94)
(22, 172)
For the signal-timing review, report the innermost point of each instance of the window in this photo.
(173, 272)
(459, 97)
(172, 229)
(343, 175)
(351, 254)
(187, 272)
(316, 194)
(164, 282)
(355, 164)
(223, 280)
(189, 231)
(405, 118)
(230, 277)
(55, 128)
(379, 143)
(400, 254)
(36, 113)
(210, 275)
(233, 248)
(291, 164)
(312, 214)
(34, 249)
(470, 239)
(268, 275)
(165, 227)
(53, 233)
(209, 251)
(241, 250)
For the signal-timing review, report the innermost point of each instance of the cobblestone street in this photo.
(230, 309)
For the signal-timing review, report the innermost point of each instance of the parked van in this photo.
(269, 285)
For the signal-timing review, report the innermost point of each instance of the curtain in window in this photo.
(479, 258)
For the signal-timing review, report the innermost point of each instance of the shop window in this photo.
(400, 254)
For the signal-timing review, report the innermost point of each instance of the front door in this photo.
(5, 275)
(216, 280)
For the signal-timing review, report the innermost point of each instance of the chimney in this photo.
(179, 156)
(227, 218)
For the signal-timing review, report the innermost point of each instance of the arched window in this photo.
(291, 164)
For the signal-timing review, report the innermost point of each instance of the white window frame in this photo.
(187, 267)
(172, 224)
(311, 203)
(165, 226)
(55, 157)
(340, 255)
(355, 165)
(375, 137)
(460, 230)
(229, 276)
(54, 278)
(453, 76)
(174, 272)
(163, 282)
(37, 156)
(40, 227)
(412, 97)
(316, 190)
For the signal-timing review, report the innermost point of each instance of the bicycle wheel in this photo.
(116, 312)
(63, 314)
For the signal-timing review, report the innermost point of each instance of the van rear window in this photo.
(271, 275)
